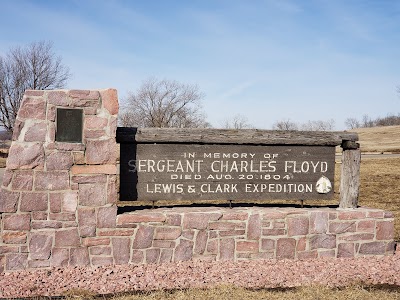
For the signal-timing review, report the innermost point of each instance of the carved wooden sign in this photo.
(231, 172)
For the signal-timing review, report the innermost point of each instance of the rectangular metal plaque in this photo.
(230, 172)
(69, 125)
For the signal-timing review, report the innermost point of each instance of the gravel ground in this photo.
(249, 274)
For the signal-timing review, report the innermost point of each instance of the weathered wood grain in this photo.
(232, 136)
(350, 178)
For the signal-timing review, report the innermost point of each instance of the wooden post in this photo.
(350, 177)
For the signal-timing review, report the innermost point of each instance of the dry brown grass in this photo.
(379, 139)
(227, 292)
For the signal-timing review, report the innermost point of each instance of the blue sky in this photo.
(264, 59)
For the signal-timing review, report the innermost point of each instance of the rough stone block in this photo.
(51, 113)
(101, 151)
(33, 93)
(267, 244)
(200, 242)
(95, 241)
(58, 98)
(67, 238)
(39, 215)
(164, 244)
(238, 216)
(140, 218)
(109, 100)
(23, 180)
(92, 194)
(112, 196)
(89, 178)
(351, 215)
(94, 134)
(298, 226)
(199, 220)
(32, 108)
(366, 226)
(307, 254)
(17, 222)
(326, 241)
(59, 257)
(273, 232)
(40, 246)
(137, 257)
(68, 216)
(18, 126)
(212, 246)
(224, 233)
(327, 253)
(184, 251)
(248, 246)
(254, 227)
(319, 221)
(95, 122)
(173, 220)
(342, 227)
(16, 261)
(84, 94)
(87, 221)
(285, 248)
(69, 201)
(79, 257)
(8, 249)
(47, 224)
(8, 201)
(100, 250)
(79, 157)
(59, 160)
(28, 156)
(102, 261)
(357, 237)
(38, 263)
(166, 255)
(372, 248)
(95, 169)
(117, 232)
(36, 133)
(31, 201)
(7, 177)
(152, 256)
(143, 238)
(167, 233)
(106, 217)
(121, 250)
(52, 181)
(14, 237)
(384, 230)
(346, 250)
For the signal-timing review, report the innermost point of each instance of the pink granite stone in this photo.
(59, 257)
(254, 227)
(8, 201)
(319, 221)
(79, 256)
(101, 151)
(53, 180)
(143, 238)
(106, 217)
(121, 250)
(16, 261)
(32, 108)
(59, 160)
(31, 201)
(384, 230)
(17, 222)
(298, 226)
(40, 246)
(25, 156)
(199, 220)
(67, 238)
(23, 180)
(285, 248)
(59, 98)
(109, 98)
(152, 255)
(326, 241)
(87, 221)
(184, 251)
(92, 194)
(36, 133)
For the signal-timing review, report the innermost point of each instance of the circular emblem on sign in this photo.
(323, 185)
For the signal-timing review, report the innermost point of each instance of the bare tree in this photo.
(164, 103)
(318, 125)
(352, 123)
(237, 122)
(34, 67)
(367, 121)
(285, 125)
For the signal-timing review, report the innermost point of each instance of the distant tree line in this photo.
(317, 125)
(367, 121)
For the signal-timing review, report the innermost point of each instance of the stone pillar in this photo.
(54, 194)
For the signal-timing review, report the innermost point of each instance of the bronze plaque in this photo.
(69, 125)
(230, 172)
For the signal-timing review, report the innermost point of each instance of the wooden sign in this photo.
(230, 172)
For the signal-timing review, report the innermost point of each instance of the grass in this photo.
(379, 139)
(226, 292)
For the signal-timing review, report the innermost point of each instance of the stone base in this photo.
(179, 234)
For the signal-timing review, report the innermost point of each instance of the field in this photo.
(379, 139)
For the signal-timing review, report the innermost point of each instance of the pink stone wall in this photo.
(58, 206)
